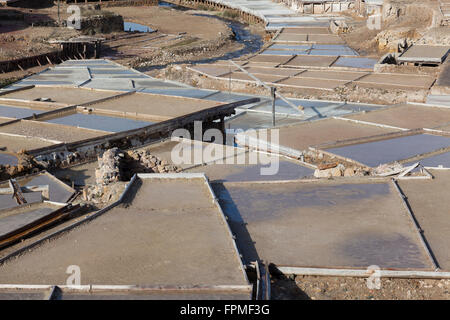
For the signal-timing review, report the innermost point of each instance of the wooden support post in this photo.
(273, 91)
(223, 130)
(17, 192)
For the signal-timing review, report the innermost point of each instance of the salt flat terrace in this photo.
(390, 148)
(303, 135)
(350, 224)
(429, 203)
(57, 191)
(152, 107)
(180, 238)
(67, 95)
(409, 116)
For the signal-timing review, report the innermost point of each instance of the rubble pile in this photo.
(24, 165)
(109, 167)
(329, 167)
(338, 170)
(387, 169)
(115, 167)
(144, 162)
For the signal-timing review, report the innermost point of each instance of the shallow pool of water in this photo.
(97, 122)
(136, 27)
(16, 112)
(8, 159)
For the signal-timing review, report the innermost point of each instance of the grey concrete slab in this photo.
(155, 295)
(50, 131)
(50, 82)
(188, 93)
(283, 170)
(258, 120)
(435, 161)
(282, 46)
(271, 59)
(68, 95)
(227, 97)
(21, 294)
(152, 107)
(355, 62)
(17, 112)
(149, 240)
(138, 83)
(312, 83)
(311, 61)
(303, 135)
(58, 191)
(277, 26)
(19, 217)
(333, 52)
(273, 71)
(322, 224)
(444, 76)
(7, 201)
(6, 158)
(332, 75)
(18, 143)
(375, 153)
(214, 71)
(397, 80)
(443, 100)
(291, 38)
(429, 205)
(425, 54)
(284, 52)
(408, 116)
(311, 30)
(80, 175)
(325, 38)
(99, 122)
(267, 78)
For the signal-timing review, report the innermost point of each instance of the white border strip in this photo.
(364, 273)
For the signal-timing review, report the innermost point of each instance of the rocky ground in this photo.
(404, 21)
(347, 93)
(115, 168)
(346, 288)
(203, 36)
(183, 35)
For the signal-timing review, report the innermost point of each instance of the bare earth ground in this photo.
(345, 288)
(351, 93)
(402, 20)
(182, 35)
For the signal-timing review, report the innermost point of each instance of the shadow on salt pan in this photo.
(259, 205)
